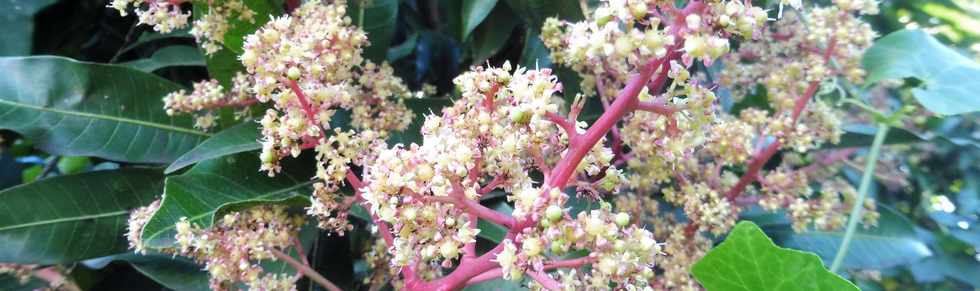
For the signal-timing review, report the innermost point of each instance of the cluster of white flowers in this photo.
(163, 15)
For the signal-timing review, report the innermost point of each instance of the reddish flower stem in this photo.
(564, 123)
(545, 281)
(764, 155)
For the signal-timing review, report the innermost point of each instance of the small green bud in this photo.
(448, 250)
(520, 116)
(603, 16)
(293, 73)
(553, 212)
(622, 219)
(557, 246)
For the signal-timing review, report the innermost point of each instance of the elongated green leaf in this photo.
(174, 272)
(950, 81)
(18, 24)
(492, 34)
(237, 29)
(473, 13)
(378, 20)
(73, 217)
(215, 186)
(223, 64)
(171, 56)
(83, 109)
(748, 260)
(893, 242)
(239, 138)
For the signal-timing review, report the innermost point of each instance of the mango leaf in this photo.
(237, 29)
(223, 64)
(496, 285)
(73, 217)
(173, 272)
(377, 19)
(473, 13)
(216, 186)
(893, 242)
(86, 109)
(239, 138)
(420, 107)
(492, 34)
(949, 80)
(171, 56)
(748, 260)
(18, 24)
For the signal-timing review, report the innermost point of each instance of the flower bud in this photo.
(293, 73)
(602, 16)
(553, 212)
(520, 116)
(622, 219)
(448, 250)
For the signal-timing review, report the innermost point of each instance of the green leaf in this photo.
(473, 13)
(378, 20)
(223, 64)
(150, 37)
(748, 260)
(173, 272)
(420, 107)
(242, 137)
(893, 242)
(492, 35)
(861, 135)
(171, 56)
(216, 186)
(18, 24)
(496, 285)
(949, 80)
(234, 38)
(73, 217)
(73, 165)
(404, 49)
(86, 109)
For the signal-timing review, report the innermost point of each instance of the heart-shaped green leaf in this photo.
(950, 81)
(748, 260)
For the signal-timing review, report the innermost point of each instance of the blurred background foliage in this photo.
(928, 182)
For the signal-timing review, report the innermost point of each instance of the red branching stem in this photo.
(658, 108)
(752, 173)
(564, 123)
(570, 263)
(497, 273)
(499, 179)
(473, 207)
(763, 156)
(303, 101)
(545, 281)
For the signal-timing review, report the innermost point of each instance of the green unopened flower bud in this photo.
(602, 16)
(520, 116)
(557, 246)
(267, 157)
(622, 219)
(293, 73)
(448, 250)
(553, 212)
(638, 9)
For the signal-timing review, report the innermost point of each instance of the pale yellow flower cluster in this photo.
(163, 15)
(233, 248)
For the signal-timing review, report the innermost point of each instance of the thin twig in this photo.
(306, 270)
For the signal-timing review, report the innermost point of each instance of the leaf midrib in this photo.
(106, 117)
(65, 219)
